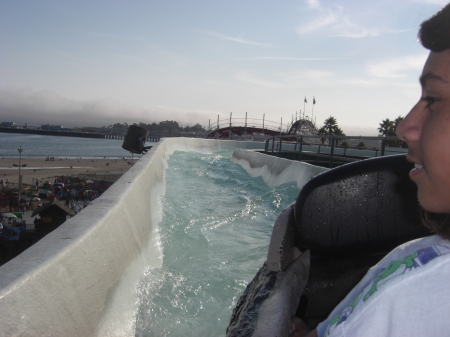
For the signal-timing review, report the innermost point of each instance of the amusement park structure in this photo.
(238, 128)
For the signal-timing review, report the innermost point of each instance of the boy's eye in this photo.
(430, 100)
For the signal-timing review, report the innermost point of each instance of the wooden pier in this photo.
(97, 135)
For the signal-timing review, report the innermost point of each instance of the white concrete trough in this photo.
(66, 283)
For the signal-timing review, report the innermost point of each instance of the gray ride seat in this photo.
(364, 207)
(347, 219)
(350, 218)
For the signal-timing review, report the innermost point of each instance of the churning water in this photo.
(213, 237)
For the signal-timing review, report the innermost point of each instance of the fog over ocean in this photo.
(37, 146)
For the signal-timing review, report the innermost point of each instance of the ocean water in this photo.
(213, 237)
(37, 146)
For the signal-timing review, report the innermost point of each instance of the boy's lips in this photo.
(418, 168)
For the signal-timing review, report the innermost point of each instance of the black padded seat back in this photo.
(364, 207)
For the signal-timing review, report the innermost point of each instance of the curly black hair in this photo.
(434, 33)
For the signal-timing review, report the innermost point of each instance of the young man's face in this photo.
(426, 129)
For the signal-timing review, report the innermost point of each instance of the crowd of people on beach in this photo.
(14, 223)
(72, 197)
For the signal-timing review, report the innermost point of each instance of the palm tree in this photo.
(322, 131)
(397, 121)
(361, 146)
(329, 124)
(386, 127)
(330, 128)
(337, 131)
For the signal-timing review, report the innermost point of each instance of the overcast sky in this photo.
(79, 63)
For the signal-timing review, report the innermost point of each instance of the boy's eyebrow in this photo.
(431, 77)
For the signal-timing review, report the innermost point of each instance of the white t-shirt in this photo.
(405, 294)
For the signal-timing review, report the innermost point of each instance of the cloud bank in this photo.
(22, 106)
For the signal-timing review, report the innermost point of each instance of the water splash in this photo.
(215, 232)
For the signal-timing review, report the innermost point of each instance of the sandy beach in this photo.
(39, 168)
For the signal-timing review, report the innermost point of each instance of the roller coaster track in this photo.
(239, 127)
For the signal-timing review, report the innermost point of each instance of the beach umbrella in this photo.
(36, 199)
(9, 215)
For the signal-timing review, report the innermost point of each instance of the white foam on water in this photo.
(275, 171)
